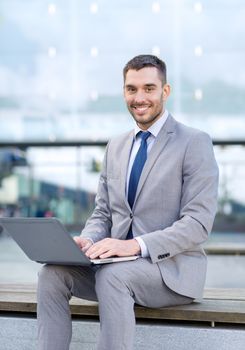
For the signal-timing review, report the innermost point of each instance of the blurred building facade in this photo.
(61, 80)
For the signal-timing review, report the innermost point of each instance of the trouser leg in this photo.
(116, 309)
(56, 285)
(118, 287)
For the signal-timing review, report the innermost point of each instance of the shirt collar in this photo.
(156, 127)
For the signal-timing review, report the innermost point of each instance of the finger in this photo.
(95, 247)
(86, 247)
(101, 247)
(82, 243)
(108, 254)
(77, 241)
(97, 252)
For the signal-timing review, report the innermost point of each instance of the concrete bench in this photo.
(222, 310)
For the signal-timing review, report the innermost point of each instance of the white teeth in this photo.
(141, 108)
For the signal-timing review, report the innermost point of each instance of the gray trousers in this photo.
(115, 286)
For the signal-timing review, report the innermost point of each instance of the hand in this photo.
(113, 247)
(83, 243)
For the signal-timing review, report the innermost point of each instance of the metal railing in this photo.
(82, 200)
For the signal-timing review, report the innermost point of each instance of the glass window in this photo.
(61, 80)
(61, 65)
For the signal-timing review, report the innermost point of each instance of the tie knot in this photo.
(144, 135)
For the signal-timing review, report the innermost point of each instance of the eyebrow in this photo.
(150, 85)
(146, 85)
(129, 86)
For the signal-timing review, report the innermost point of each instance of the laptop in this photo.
(46, 241)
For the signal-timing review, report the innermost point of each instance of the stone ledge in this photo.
(218, 305)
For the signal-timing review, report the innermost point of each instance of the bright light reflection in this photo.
(198, 94)
(94, 8)
(51, 9)
(198, 7)
(52, 138)
(156, 7)
(52, 52)
(156, 50)
(198, 50)
(94, 95)
(94, 51)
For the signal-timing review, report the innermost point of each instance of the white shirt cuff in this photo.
(144, 250)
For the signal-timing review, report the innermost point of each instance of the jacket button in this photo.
(131, 216)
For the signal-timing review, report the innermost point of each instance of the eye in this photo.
(131, 89)
(149, 89)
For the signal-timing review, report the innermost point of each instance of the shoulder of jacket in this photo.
(190, 132)
(120, 138)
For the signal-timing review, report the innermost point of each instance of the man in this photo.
(157, 199)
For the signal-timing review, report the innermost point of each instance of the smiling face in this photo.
(145, 95)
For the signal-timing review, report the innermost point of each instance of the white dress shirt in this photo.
(154, 130)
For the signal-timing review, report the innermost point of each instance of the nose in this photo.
(139, 97)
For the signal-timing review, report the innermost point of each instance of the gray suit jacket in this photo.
(174, 207)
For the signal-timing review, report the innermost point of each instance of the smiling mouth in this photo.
(141, 108)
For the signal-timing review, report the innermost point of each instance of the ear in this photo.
(166, 91)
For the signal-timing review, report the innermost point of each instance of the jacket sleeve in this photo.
(98, 226)
(198, 203)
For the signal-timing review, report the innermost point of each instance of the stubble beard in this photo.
(149, 120)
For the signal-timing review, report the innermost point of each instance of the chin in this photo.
(144, 120)
(140, 121)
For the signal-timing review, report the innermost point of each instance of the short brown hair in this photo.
(142, 61)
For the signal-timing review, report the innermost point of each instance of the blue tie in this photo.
(137, 168)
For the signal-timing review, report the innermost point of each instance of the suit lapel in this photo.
(161, 141)
(126, 151)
